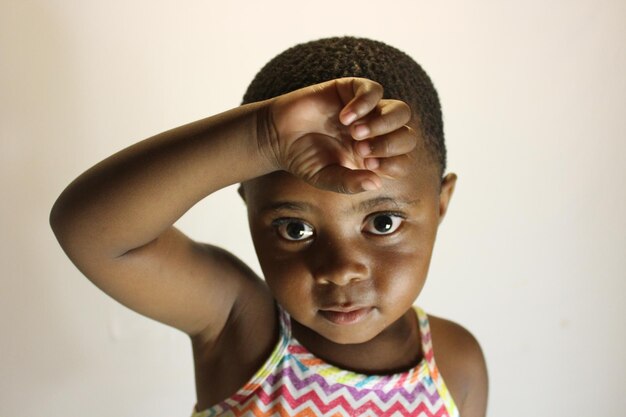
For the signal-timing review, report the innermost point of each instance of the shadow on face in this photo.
(323, 251)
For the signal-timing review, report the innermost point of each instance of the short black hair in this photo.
(325, 59)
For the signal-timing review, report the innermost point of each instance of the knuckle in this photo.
(382, 124)
(387, 123)
(407, 110)
(384, 146)
(378, 87)
(406, 142)
(403, 112)
(411, 136)
(390, 147)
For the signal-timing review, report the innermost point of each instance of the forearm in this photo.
(130, 198)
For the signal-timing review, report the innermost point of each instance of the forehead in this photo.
(281, 189)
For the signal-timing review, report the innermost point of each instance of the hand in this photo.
(339, 135)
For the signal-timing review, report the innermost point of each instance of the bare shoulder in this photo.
(251, 315)
(462, 364)
(230, 354)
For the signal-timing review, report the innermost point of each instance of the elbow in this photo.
(62, 218)
(56, 219)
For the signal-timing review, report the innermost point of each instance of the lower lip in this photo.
(345, 317)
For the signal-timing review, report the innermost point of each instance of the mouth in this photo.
(344, 316)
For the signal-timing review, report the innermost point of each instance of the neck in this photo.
(396, 349)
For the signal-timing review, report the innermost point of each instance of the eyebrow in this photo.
(363, 206)
(372, 203)
(288, 205)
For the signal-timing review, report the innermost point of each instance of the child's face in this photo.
(347, 266)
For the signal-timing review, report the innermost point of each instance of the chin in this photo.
(351, 337)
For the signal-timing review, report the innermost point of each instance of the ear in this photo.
(445, 194)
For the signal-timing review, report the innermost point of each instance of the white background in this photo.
(531, 257)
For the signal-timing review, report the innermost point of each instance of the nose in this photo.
(339, 262)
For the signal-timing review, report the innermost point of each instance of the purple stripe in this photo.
(356, 393)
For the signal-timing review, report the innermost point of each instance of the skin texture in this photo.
(333, 160)
(346, 262)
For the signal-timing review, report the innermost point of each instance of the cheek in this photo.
(289, 281)
(286, 276)
(402, 272)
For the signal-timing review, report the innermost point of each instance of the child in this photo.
(340, 155)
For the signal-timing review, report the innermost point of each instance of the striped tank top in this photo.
(294, 382)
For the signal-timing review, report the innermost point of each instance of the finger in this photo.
(362, 96)
(394, 167)
(344, 180)
(387, 117)
(398, 142)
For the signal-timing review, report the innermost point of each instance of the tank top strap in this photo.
(429, 356)
(284, 321)
(270, 364)
(427, 345)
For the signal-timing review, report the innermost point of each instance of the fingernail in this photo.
(349, 118)
(369, 185)
(364, 148)
(361, 131)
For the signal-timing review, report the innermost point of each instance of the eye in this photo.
(293, 229)
(383, 223)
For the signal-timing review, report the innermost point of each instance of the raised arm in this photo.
(115, 220)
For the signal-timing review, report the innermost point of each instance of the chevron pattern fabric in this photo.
(293, 382)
